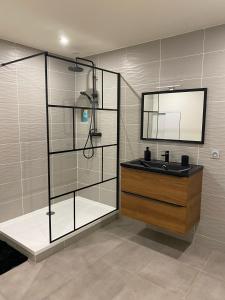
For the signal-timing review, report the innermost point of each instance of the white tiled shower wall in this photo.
(195, 59)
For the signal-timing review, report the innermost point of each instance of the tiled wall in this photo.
(23, 159)
(191, 60)
(23, 172)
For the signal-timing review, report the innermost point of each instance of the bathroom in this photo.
(84, 212)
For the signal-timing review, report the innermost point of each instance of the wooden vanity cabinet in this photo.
(169, 202)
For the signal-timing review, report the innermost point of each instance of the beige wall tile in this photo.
(33, 168)
(10, 153)
(10, 191)
(33, 132)
(61, 115)
(91, 193)
(61, 97)
(65, 177)
(61, 131)
(8, 74)
(31, 95)
(143, 53)
(7, 51)
(112, 60)
(93, 163)
(59, 65)
(35, 201)
(8, 113)
(62, 81)
(30, 75)
(217, 210)
(33, 150)
(182, 45)
(181, 68)
(212, 227)
(133, 115)
(61, 144)
(216, 88)
(142, 74)
(88, 177)
(35, 185)
(213, 64)
(22, 51)
(60, 162)
(9, 173)
(215, 38)
(32, 114)
(213, 183)
(10, 210)
(8, 93)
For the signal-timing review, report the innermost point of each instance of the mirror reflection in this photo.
(174, 115)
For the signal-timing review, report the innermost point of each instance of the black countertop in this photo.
(174, 171)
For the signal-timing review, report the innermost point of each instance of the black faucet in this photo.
(167, 156)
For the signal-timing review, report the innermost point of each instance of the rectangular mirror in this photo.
(177, 115)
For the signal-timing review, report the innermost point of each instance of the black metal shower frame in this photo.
(74, 108)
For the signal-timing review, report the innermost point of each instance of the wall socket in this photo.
(215, 154)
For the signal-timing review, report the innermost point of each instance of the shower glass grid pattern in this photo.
(52, 199)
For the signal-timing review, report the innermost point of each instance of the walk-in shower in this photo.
(79, 191)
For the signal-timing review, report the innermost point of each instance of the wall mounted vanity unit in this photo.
(165, 196)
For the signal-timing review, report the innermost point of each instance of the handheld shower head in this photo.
(85, 94)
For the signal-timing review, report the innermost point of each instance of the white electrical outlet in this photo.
(215, 154)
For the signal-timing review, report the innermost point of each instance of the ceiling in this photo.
(95, 26)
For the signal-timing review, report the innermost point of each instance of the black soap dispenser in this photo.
(147, 154)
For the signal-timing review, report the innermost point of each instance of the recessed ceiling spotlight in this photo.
(64, 40)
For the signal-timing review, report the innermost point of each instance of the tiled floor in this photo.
(123, 261)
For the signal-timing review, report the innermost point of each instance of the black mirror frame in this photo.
(176, 91)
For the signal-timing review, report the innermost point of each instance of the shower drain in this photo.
(50, 213)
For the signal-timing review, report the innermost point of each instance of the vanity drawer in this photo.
(171, 189)
(164, 215)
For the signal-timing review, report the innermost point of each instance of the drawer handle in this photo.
(152, 199)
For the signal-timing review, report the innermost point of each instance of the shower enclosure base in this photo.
(30, 233)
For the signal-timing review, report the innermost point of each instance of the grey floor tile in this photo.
(160, 242)
(29, 281)
(169, 273)
(80, 255)
(98, 282)
(124, 227)
(216, 264)
(136, 287)
(104, 282)
(207, 288)
(194, 253)
(129, 256)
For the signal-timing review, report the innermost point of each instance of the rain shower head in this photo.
(75, 68)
